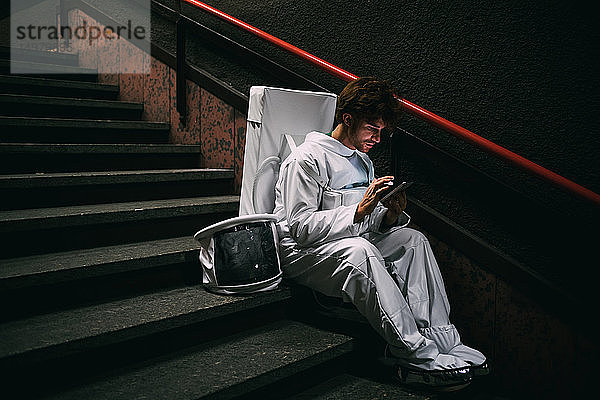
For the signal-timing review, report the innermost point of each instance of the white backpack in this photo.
(240, 255)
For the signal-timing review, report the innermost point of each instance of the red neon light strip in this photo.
(416, 110)
(500, 151)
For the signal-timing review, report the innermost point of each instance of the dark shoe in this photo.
(480, 370)
(438, 380)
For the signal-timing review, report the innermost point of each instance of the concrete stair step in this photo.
(48, 71)
(35, 157)
(347, 386)
(52, 268)
(57, 130)
(61, 179)
(238, 366)
(67, 217)
(48, 336)
(369, 378)
(35, 231)
(37, 56)
(70, 279)
(67, 347)
(58, 88)
(20, 191)
(61, 107)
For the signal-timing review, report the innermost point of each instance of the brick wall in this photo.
(216, 126)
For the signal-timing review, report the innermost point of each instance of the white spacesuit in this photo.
(391, 277)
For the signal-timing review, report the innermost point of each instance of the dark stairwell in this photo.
(99, 281)
(101, 286)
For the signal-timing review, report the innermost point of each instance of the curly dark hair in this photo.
(368, 99)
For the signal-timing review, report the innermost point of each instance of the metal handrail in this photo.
(417, 111)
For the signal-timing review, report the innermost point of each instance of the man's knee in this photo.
(360, 249)
(408, 237)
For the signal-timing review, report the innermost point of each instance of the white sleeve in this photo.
(308, 225)
(402, 221)
(372, 222)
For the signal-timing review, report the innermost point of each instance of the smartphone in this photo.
(395, 189)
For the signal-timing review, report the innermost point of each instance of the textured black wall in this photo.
(520, 73)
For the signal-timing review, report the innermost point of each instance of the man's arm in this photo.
(369, 201)
(308, 225)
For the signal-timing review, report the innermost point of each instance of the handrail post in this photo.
(57, 21)
(63, 15)
(180, 83)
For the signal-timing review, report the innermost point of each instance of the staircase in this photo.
(100, 286)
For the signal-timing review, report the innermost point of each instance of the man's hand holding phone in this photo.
(376, 189)
(395, 201)
(395, 189)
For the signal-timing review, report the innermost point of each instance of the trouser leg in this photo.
(354, 269)
(413, 266)
(411, 262)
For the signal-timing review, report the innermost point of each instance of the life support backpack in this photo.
(240, 255)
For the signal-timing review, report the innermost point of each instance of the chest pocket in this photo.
(333, 198)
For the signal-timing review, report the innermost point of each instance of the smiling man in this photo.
(337, 238)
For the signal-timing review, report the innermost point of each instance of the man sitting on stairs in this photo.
(337, 238)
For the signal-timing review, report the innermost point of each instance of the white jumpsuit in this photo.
(391, 277)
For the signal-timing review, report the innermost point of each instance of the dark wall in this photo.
(520, 73)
